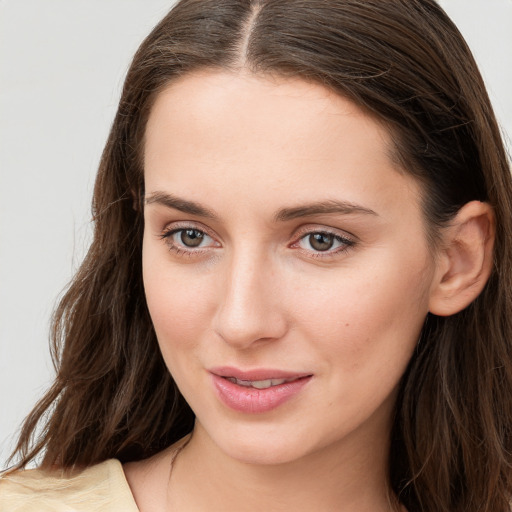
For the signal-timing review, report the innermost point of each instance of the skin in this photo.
(256, 293)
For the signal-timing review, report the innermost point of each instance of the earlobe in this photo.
(465, 260)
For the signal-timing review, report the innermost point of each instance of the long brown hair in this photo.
(402, 60)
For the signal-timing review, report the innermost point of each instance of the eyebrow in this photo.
(283, 215)
(177, 203)
(321, 208)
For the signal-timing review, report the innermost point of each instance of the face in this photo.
(285, 260)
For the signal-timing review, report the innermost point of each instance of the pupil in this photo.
(321, 241)
(191, 237)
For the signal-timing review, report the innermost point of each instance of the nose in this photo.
(249, 309)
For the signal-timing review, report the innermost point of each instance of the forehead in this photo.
(258, 134)
(289, 107)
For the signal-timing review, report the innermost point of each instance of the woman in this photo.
(297, 296)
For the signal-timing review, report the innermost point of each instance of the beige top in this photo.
(102, 487)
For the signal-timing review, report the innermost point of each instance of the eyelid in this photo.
(318, 228)
(183, 225)
(175, 227)
(349, 240)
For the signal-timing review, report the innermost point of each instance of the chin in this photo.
(265, 447)
(263, 453)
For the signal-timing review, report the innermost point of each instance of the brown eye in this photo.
(191, 237)
(317, 242)
(189, 240)
(321, 241)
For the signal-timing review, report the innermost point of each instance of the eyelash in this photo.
(167, 235)
(346, 243)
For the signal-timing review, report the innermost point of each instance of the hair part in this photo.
(406, 63)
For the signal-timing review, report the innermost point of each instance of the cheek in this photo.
(368, 319)
(177, 301)
(178, 323)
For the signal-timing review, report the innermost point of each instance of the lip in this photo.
(256, 374)
(251, 400)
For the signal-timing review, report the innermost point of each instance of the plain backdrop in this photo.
(62, 63)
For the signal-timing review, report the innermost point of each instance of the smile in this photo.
(259, 384)
(257, 391)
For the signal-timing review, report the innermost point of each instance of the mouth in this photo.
(257, 391)
(261, 384)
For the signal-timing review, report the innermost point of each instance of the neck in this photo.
(349, 476)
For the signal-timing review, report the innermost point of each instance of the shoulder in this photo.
(102, 487)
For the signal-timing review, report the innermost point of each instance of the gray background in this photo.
(62, 63)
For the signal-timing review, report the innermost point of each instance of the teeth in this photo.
(258, 384)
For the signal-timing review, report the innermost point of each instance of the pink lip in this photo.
(251, 400)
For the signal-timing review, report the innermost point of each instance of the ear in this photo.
(465, 259)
